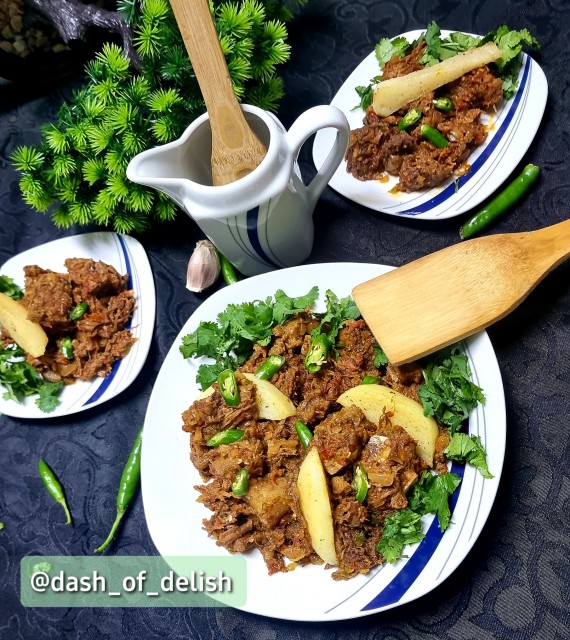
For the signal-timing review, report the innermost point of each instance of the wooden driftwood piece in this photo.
(72, 19)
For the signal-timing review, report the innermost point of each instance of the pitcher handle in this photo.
(308, 123)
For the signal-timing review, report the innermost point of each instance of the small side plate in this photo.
(127, 256)
(511, 132)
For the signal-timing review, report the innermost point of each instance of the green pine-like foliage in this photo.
(77, 174)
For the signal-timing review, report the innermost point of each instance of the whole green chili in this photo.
(228, 387)
(443, 104)
(410, 119)
(54, 488)
(66, 347)
(226, 436)
(78, 311)
(360, 483)
(500, 203)
(370, 380)
(127, 487)
(241, 483)
(229, 273)
(304, 433)
(434, 136)
(270, 367)
(317, 353)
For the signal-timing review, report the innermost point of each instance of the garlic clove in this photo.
(203, 267)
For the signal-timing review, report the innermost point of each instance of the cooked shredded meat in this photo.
(378, 148)
(100, 337)
(268, 517)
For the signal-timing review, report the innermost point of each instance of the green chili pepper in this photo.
(66, 346)
(410, 119)
(127, 488)
(503, 201)
(434, 136)
(268, 368)
(304, 433)
(1, 526)
(317, 353)
(226, 436)
(229, 273)
(53, 485)
(360, 483)
(228, 386)
(443, 104)
(370, 380)
(78, 311)
(241, 484)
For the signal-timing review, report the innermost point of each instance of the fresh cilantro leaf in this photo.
(431, 495)
(338, 311)
(439, 49)
(458, 42)
(465, 448)
(432, 53)
(511, 44)
(48, 393)
(401, 528)
(10, 288)
(366, 95)
(380, 358)
(208, 374)
(203, 342)
(247, 323)
(448, 394)
(285, 307)
(20, 379)
(509, 78)
(386, 49)
(229, 341)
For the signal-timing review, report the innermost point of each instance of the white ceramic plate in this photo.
(127, 256)
(512, 130)
(308, 593)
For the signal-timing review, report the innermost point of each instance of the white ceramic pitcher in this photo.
(262, 221)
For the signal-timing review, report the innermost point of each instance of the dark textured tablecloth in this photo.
(515, 582)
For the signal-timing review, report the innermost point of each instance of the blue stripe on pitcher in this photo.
(253, 235)
(452, 188)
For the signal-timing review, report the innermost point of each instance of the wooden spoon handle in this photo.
(548, 247)
(203, 46)
(236, 150)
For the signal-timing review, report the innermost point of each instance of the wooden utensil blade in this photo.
(453, 293)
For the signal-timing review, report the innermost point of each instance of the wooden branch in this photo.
(72, 19)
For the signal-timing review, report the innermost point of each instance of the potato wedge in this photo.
(374, 400)
(206, 393)
(316, 506)
(14, 320)
(272, 404)
(395, 93)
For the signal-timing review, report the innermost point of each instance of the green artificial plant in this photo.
(78, 171)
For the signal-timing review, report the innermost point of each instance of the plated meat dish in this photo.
(84, 313)
(268, 514)
(383, 145)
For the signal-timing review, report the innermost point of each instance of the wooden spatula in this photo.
(236, 150)
(448, 295)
